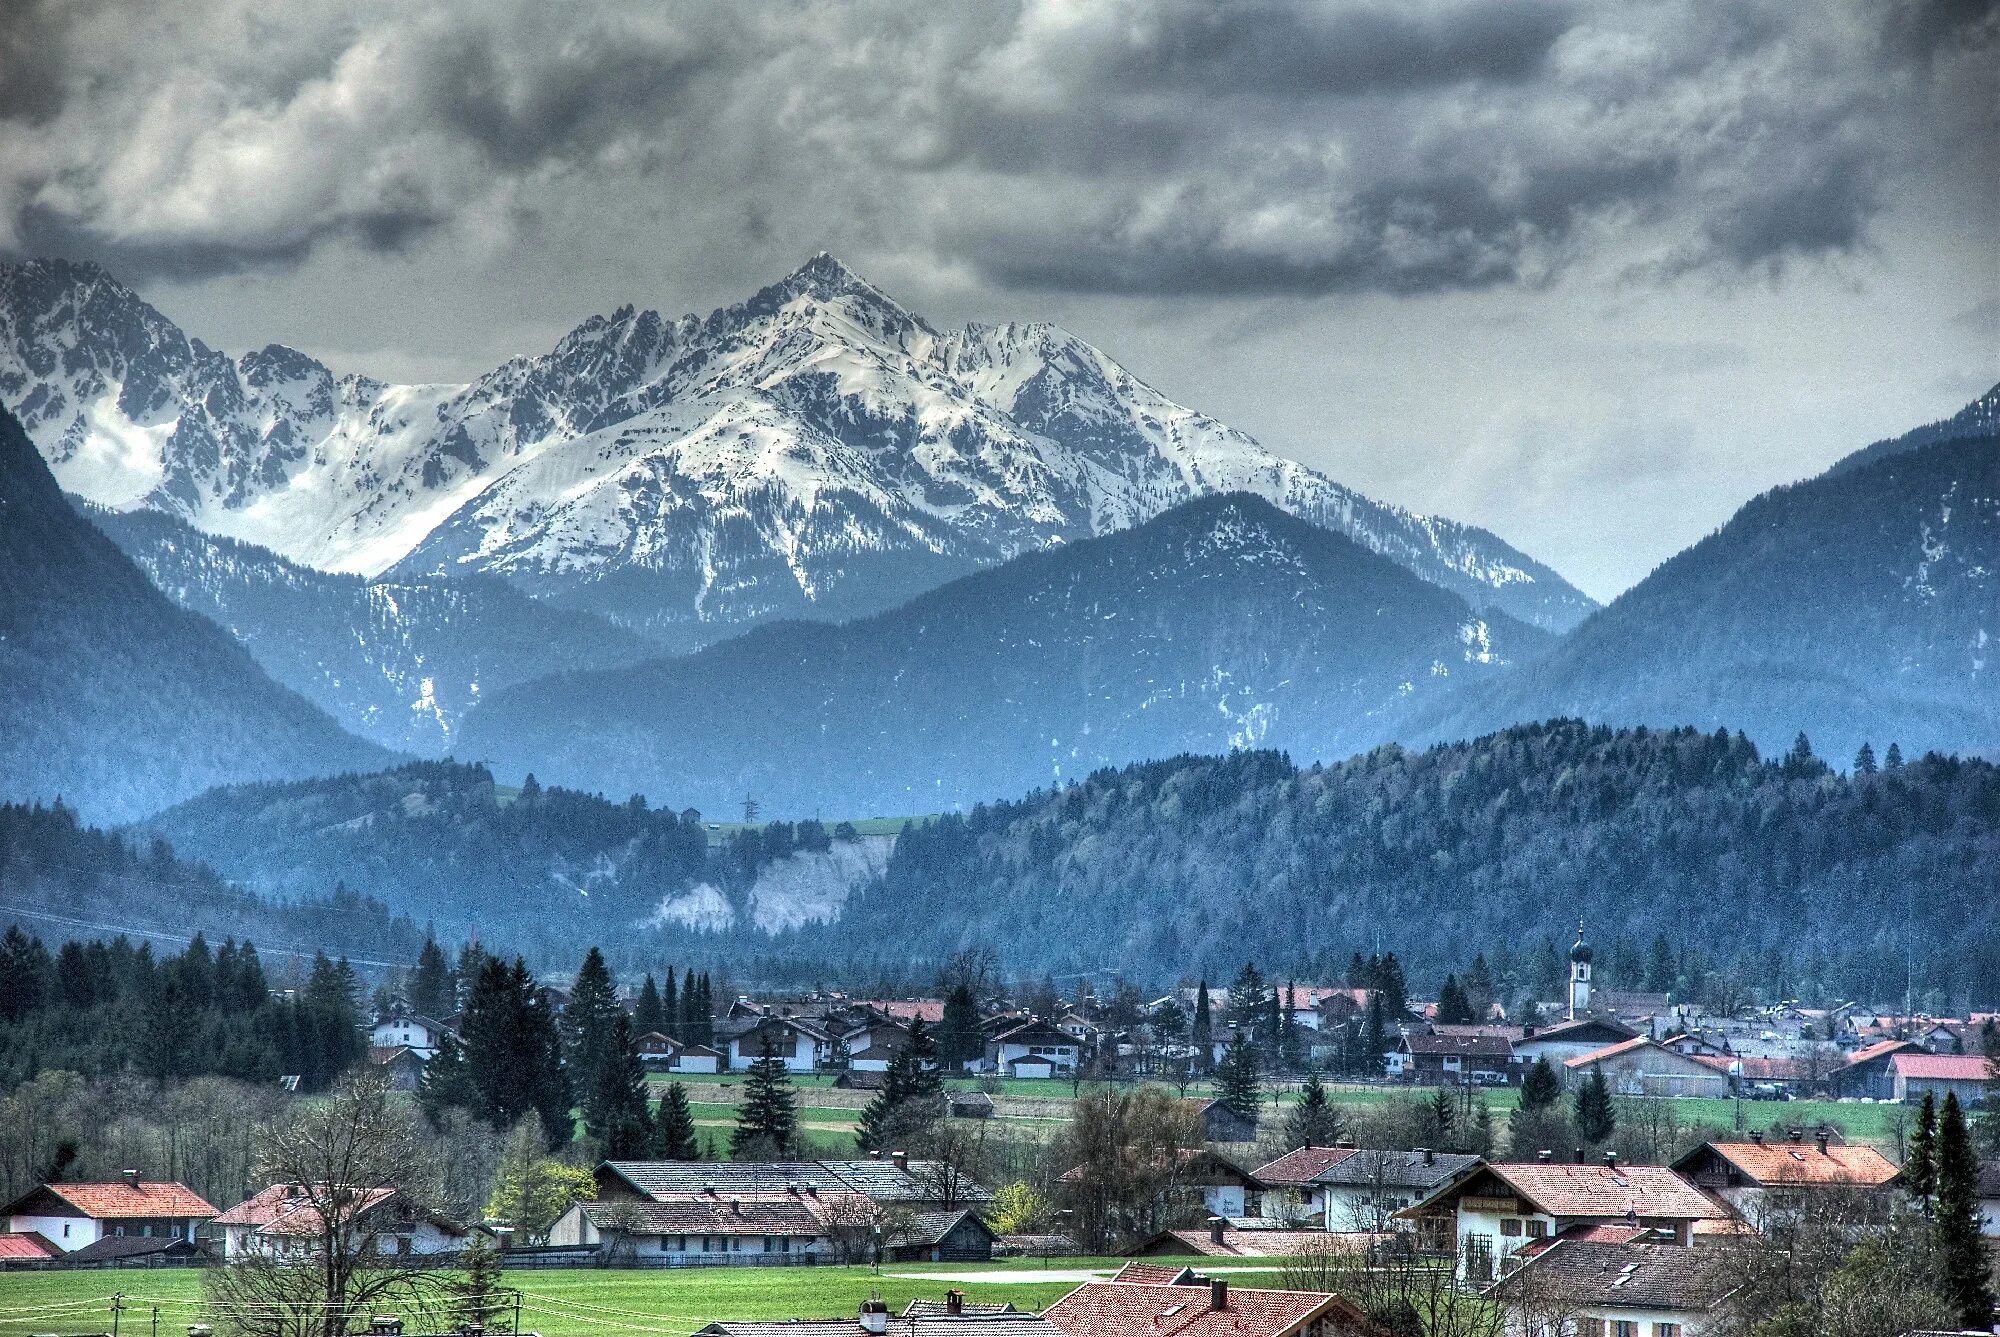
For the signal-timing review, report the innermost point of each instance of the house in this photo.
(659, 1052)
(874, 1046)
(800, 1045)
(1156, 1274)
(1291, 1183)
(1219, 1123)
(419, 1034)
(1227, 1189)
(1866, 1074)
(1989, 1197)
(695, 1231)
(1756, 1177)
(906, 1183)
(697, 1058)
(944, 1235)
(1643, 1067)
(1500, 1208)
(1569, 1039)
(952, 1316)
(286, 1218)
(1914, 1075)
(1614, 1290)
(399, 1063)
(1144, 1309)
(1434, 1059)
(1033, 1048)
(74, 1216)
(1366, 1190)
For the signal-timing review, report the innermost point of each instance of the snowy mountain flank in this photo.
(817, 450)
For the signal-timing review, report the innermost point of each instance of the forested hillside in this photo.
(63, 879)
(547, 870)
(1864, 604)
(1222, 623)
(111, 697)
(1805, 874)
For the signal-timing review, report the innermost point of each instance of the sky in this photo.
(1588, 274)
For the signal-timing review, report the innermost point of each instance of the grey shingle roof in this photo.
(880, 1180)
(1638, 1276)
(1396, 1169)
(702, 1216)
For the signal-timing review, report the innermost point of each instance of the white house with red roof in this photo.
(1215, 1309)
(286, 1219)
(1643, 1067)
(1914, 1074)
(75, 1216)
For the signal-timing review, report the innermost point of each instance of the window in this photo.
(1510, 1226)
(1666, 1330)
(1624, 1327)
(1537, 1229)
(1590, 1327)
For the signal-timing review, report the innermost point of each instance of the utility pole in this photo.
(117, 1308)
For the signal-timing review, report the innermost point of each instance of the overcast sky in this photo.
(1588, 274)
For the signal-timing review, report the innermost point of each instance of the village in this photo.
(1212, 1160)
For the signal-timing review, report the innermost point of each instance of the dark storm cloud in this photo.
(1149, 148)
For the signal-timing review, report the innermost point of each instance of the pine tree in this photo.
(446, 1082)
(614, 1109)
(1202, 1036)
(1394, 988)
(648, 1013)
(926, 1081)
(767, 1123)
(670, 1009)
(1961, 1254)
(1540, 1088)
(1864, 760)
(1314, 1121)
(1596, 1120)
(1374, 1037)
(432, 992)
(1454, 1009)
(477, 1301)
(1237, 1079)
(1893, 760)
(1443, 1114)
(958, 1030)
(1479, 988)
(673, 1136)
(1920, 1161)
(587, 1024)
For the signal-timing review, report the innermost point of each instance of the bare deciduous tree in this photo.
(357, 1163)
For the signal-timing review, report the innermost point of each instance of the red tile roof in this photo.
(1126, 1309)
(1258, 1243)
(1154, 1274)
(1804, 1163)
(1941, 1067)
(1301, 1166)
(26, 1245)
(1609, 1051)
(1877, 1050)
(122, 1201)
(1648, 1191)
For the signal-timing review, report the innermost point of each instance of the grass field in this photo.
(570, 1303)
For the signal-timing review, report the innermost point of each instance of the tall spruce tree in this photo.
(1202, 1034)
(670, 1008)
(431, 988)
(1454, 1008)
(446, 1082)
(767, 1123)
(1238, 1078)
(1374, 1036)
(1596, 1120)
(1540, 1088)
(1961, 1253)
(588, 1023)
(1314, 1121)
(648, 1013)
(926, 1079)
(673, 1137)
(1920, 1160)
(958, 1037)
(614, 1110)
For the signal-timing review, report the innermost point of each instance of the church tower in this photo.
(1579, 976)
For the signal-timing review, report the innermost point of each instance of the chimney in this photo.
(902, 1160)
(1430, 1157)
(1756, 1139)
(1611, 1160)
(874, 1316)
(1545, 1156)
(131, 1178)
(1579, 1155)
(874, 1155)
(1528, 1031)
(1820, 1138)
(793, 1188)
(1798, 1135)
(1215, 1227)
(1343, 1142)
(1218, 1294)
(736, 1206)
(954, 1301)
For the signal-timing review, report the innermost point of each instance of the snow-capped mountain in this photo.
(1221, 623)
(815, 450)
